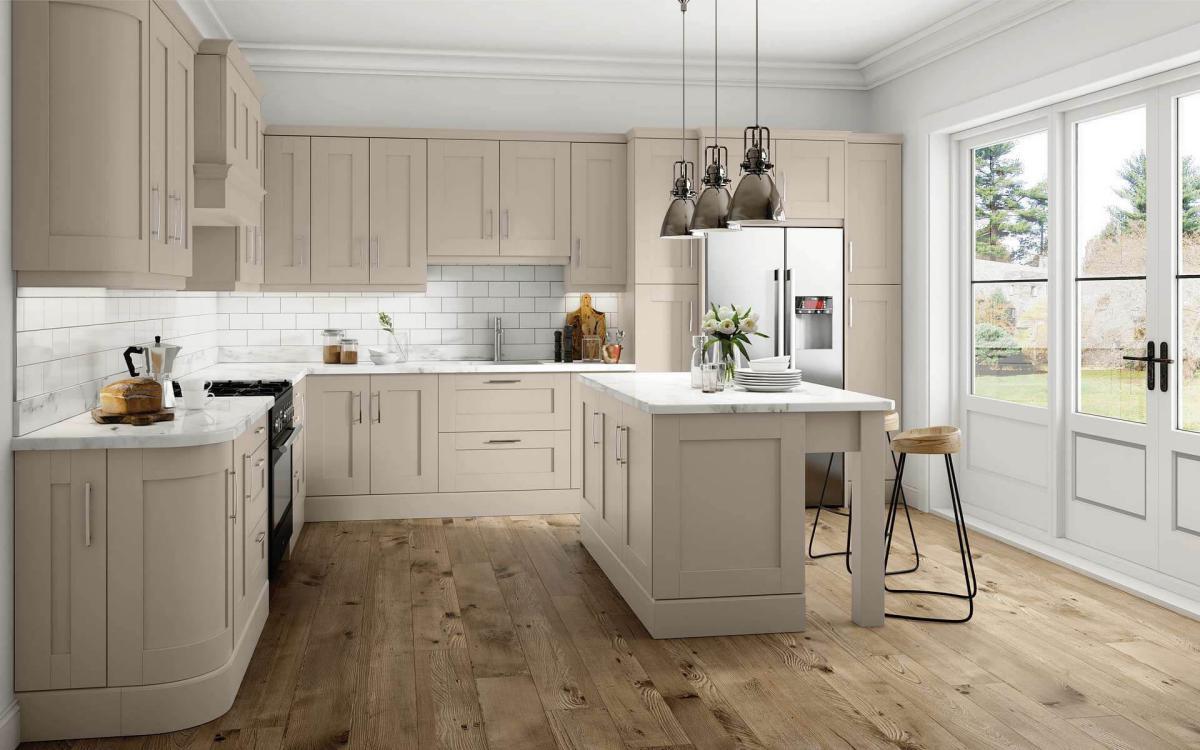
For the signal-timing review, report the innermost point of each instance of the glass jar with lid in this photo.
(349, 352)
(331, 345)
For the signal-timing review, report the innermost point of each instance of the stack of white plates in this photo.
(767, 382)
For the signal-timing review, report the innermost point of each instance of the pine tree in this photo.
(998, 201)
(1131, 212)
(1034, 213)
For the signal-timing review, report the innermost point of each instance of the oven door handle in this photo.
(292, 438)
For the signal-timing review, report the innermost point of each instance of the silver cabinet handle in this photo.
(356, 398)
(504, 223)
(155, 213)
(850, 255)
(625, 445)
(778, 314)
(789, 305)
(376, 408)
(230, 492)
(87, 514)
(258, 539)
(375, 251)
(617, 444)
(595, 421)
(850, 312)
(260, 430)
(245, 481)
(501, 442)
(578, 252)
(691, 318)
(498, 382)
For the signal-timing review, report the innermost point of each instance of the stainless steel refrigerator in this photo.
(793, 278)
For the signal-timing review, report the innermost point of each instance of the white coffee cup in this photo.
(196, 394)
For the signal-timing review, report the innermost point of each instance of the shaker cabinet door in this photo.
(288, 253)
(404, 433)
(659, 261)
(464, 197)
(873, 232)
(599, 229)
(873, 340)
(811, 178)
(340, 216)
(668, 316)
(61, 564)
(399, 240)
(339, 437)
(535, 198)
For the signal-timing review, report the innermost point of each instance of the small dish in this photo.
(771, 364)
(383, 356)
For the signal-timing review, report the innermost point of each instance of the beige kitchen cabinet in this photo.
(250, 504)
(535, 198)
(592, 436)
(229, 127)
(599, 228)
(338, 452)
(655, 260)
(504, 401)
(811, 178)
(498, 461)
(399, 238)
(873, 340)
(341, 210)
(170, 563)
(668, 315)
(299, 450)
(287, 176)
(404, 433)
(86, 104)
(61, 557)
(172, 65)
(225, 260)
(873, 231)
(464, 198)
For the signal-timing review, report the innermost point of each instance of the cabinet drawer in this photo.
(495, 461)
(504, 401)
(253, 470)
(250, 440)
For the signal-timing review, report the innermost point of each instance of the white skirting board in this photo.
(440, 505)
(10, 726)
(143, 709)
(692, 618)
(1126, 582)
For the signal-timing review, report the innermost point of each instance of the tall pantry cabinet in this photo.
(102, 143)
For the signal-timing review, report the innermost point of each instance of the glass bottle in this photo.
(698, 358)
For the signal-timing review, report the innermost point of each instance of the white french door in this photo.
(1133, 465)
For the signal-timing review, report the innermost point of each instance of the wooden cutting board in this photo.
(162, 415)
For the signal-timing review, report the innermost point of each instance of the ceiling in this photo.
(832, 43)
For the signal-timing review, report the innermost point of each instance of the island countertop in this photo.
(671, 393)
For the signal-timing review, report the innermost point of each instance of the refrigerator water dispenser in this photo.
(814, 322)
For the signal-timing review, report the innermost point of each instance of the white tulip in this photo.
(708, 325)
(749, 325)
(726, 326)
(725, 312)
(754, 317)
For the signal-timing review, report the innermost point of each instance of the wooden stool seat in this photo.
(930, 441)
(891, 421)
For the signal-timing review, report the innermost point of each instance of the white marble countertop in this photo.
(295, 371)
(671, 393)
(222, 421)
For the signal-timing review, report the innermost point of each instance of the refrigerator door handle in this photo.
(778, 313)
(787, 311)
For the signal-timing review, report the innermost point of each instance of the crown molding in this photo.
(979, 21)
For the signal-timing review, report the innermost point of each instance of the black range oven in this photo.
(282, 433)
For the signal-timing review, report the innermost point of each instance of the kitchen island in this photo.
(693, 503)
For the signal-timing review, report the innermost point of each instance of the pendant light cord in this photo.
(683, 78)
(755, 63)
(716, 119)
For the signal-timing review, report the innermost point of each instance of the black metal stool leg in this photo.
(907, 517)
(964, 550)
(816, 519)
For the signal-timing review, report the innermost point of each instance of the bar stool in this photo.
(891, 423)
(933, 441)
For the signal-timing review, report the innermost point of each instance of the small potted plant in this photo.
(393, 350)
(730, 329)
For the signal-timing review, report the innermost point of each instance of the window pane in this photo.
(1189, 184)
(1110, 206)
(1112, 323)
(1010, 206)
(1189, 362)
(1010, 342)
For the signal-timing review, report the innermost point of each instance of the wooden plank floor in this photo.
(502, 633)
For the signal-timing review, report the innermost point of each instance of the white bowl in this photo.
(770, 364)
(383, 356)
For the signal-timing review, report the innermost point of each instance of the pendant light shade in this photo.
(756, 197)
(678, 220)
(712, 209)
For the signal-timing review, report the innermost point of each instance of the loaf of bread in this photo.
(131, 396)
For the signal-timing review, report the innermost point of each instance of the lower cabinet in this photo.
(372, 434)
(498, 461)
(61, 558)
(170, 562)
(873, 340)
(666, 318)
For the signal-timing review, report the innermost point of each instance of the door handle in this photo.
(778, 314)
(578, 252)
(499, 382)
(1163, 360)
(1149, 359)
(230, 492)
(850, 312)
(245, 481)
(850, 255)
(595, 421)
(617, 444)
(501, 442)
(376, 408)
(258, 539)
(504, 224)
(87, 514)
(356, 398)
(155, 213)
(788, 307)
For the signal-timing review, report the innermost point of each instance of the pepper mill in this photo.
(558, 346)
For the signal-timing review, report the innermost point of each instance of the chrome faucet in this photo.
(497, 338)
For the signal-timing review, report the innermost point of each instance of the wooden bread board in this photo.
(141, 420)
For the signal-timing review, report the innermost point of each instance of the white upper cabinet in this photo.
(811, 178)
(287, 165)
(659, 261)
(535, 198)
(83, 208)
(398, 230)
(340, 210)
(464, 198)
(873, 239)
(599, 227)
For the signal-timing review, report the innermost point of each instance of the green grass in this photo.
(1120, 394)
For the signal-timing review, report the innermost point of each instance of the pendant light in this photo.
(712, 208)
(676, 224)
(756, 197)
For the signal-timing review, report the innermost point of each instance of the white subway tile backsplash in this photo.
(69, 341)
